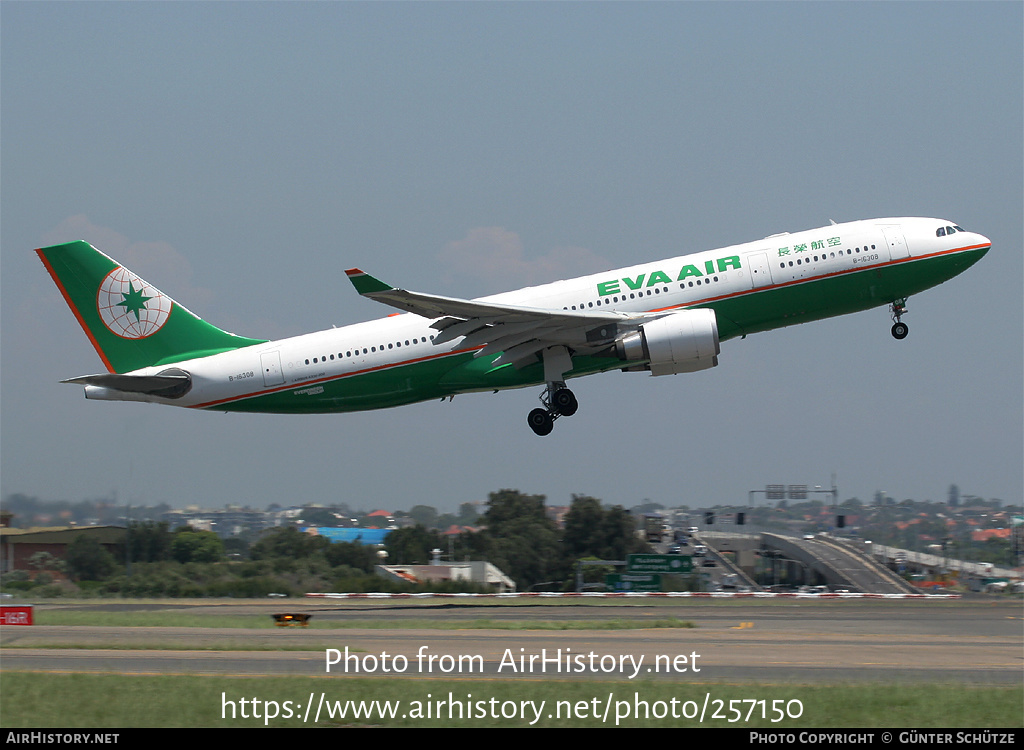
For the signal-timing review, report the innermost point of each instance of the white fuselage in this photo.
(703, 279)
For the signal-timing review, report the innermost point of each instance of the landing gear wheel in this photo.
(898, 308)
(540, 421)
(564, 402)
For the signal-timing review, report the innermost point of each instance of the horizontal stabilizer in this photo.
(170, 384)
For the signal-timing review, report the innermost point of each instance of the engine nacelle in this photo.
(684, 341)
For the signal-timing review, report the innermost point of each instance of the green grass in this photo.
(124, 701)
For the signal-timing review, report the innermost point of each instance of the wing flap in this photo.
(458, 328)
(521, 355)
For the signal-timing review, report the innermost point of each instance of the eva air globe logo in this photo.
(129, 307)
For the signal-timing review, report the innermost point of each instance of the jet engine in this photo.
(684, 341)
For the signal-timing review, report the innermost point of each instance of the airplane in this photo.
(665, 317)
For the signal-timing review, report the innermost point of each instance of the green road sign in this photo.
(659, 564)
(631, 582)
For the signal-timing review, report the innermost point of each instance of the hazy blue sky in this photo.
(240, 156)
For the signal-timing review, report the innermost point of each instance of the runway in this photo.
(834, 642)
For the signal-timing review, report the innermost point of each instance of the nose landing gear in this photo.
(899, 329)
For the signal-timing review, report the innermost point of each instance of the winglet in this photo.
(365, 283)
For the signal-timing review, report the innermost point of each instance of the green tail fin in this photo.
(130, 322)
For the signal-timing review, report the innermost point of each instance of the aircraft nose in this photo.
(984, 243)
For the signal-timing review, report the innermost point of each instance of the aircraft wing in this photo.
(518, 333)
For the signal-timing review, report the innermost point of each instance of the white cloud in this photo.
(158, 263)
(495, 256)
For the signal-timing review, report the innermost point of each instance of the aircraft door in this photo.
(894, 238)
(272, 373)
(760, 272)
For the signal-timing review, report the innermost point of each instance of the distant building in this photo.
(557, 514)
(230, 521)
(983, 535)
(18, 545)
(341, 534)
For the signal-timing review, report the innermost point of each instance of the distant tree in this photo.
(367, 521)
(319, 517)
(236, 546)
(148, 541)
(88, 561)
(520, 539)
(424, 515)
(196, 546)
(468, 514)
(583, 527)
(411, 545)
(287, 542)
(646, 507)
(603, 533)
(446, 520)
(352, 554)
(44, 561)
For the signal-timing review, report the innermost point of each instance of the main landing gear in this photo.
(899, 329)
(558, 401)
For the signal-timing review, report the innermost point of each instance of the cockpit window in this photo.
(960, 228)
(940, 232)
